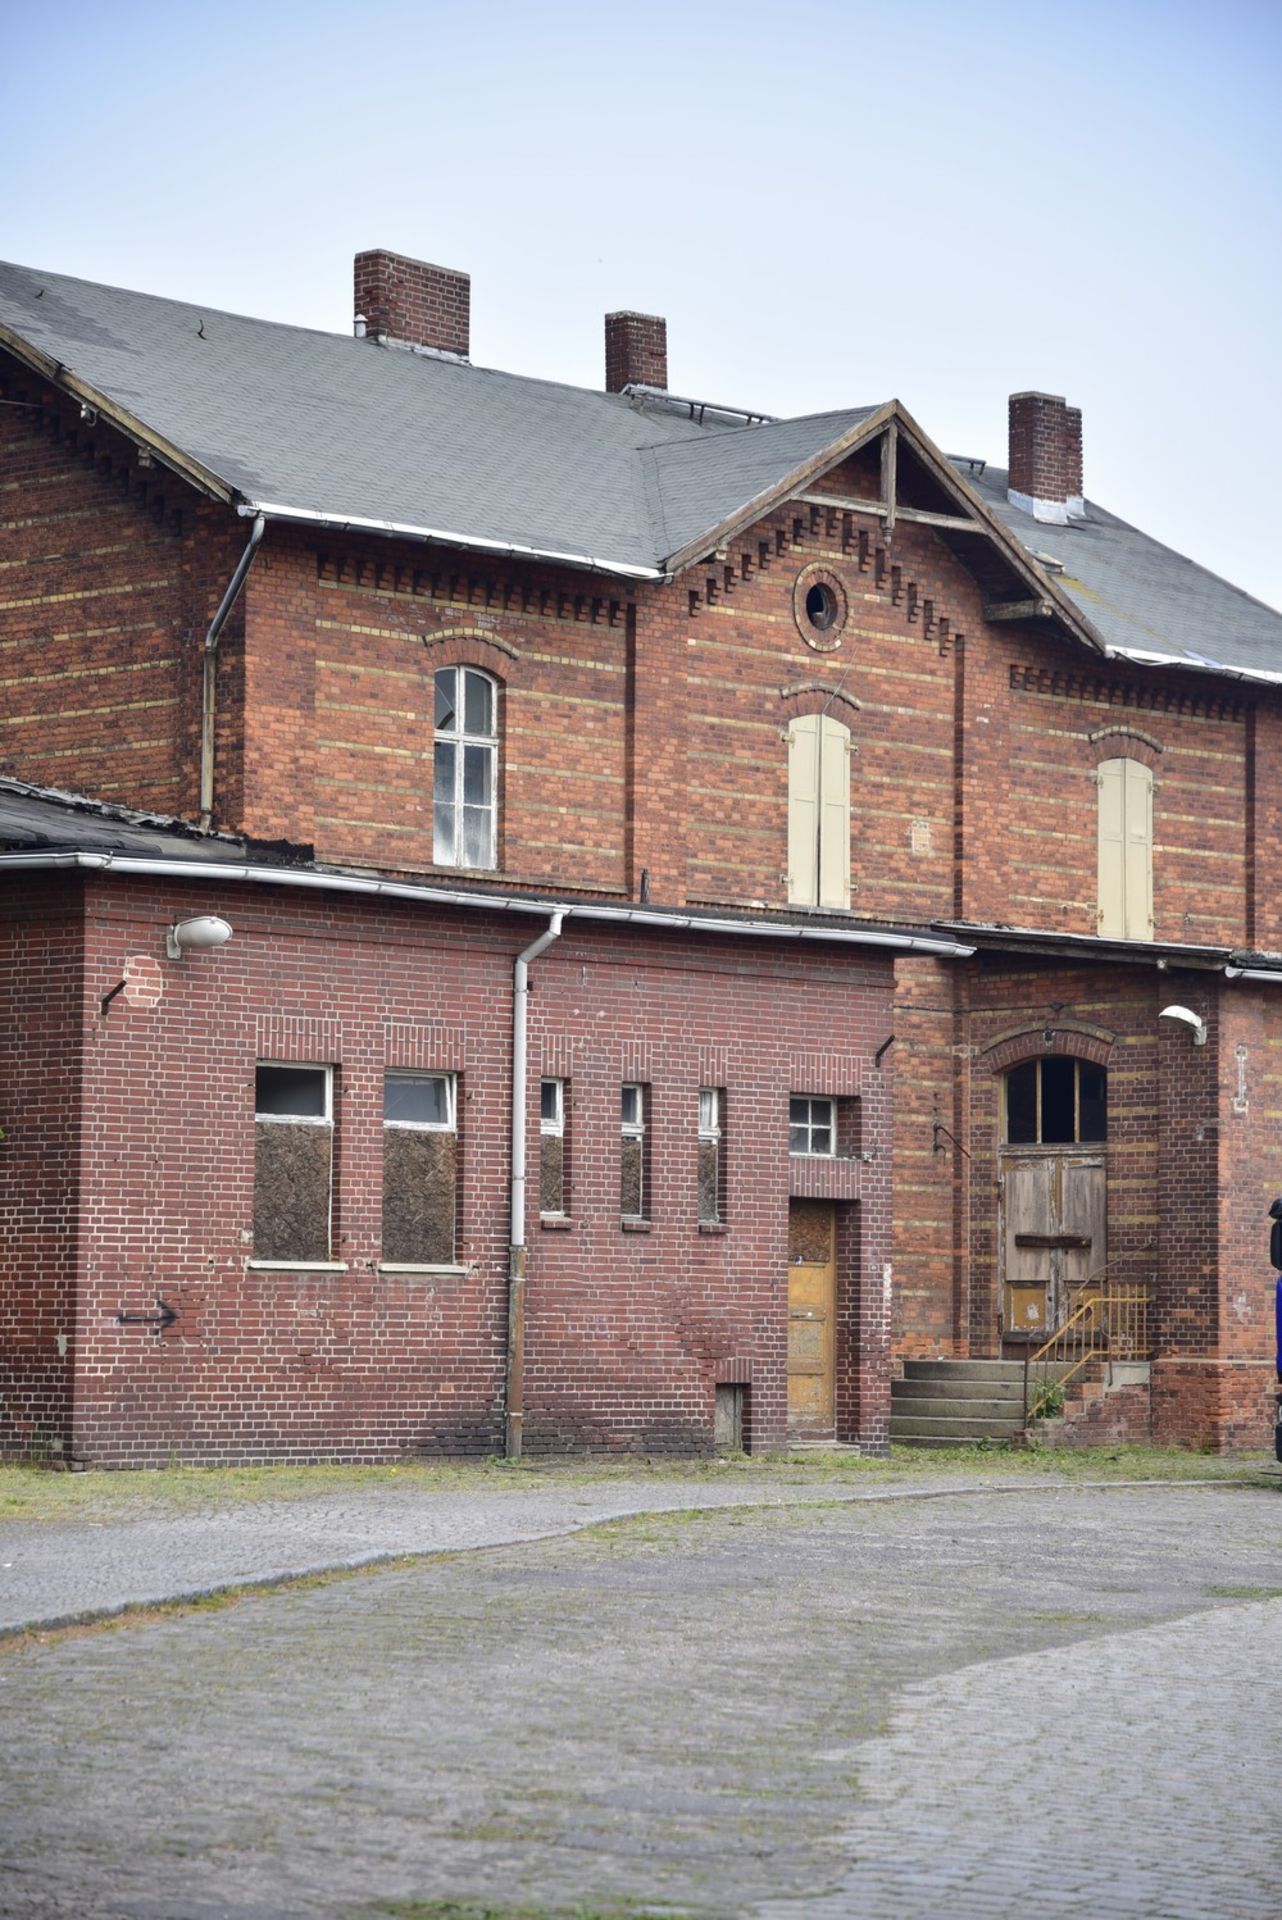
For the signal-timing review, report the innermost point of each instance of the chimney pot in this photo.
(411, 303)
(636, 351)
(1045, 476)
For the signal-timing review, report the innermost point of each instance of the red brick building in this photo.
(866, 809)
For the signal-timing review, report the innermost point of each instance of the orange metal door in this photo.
(812, 1310)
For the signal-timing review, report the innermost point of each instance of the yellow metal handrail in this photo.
(1110, 1321)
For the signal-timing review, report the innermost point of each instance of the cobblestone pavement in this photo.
(967, 1706)
(1140, 1781)
(55, 1573)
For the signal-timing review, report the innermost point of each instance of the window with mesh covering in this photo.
(554, 1170)
(420, 1169)
(293, 1162)
(712, 1208)
(634, 1159)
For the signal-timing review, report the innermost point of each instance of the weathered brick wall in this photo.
(41, 1028)
(109, 575)
(628, 1331)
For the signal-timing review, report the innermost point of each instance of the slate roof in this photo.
(349, 431)
(331, 428)
(1142, 598)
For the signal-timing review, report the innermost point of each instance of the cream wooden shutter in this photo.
(834, 813)
(803, 811)
(1139, 850)
(1112, 849)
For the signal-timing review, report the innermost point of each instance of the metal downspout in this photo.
(209, 686)
(515, 1396)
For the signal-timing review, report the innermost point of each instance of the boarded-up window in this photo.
(634, 1184)
(818, 812)
(420, 1169)
(1125, 850)
(554, 1182)
(293, 1157)
(711, 1156)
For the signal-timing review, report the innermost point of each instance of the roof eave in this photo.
(59, 375)
(445, 537)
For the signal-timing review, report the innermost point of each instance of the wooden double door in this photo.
(812, 1320)
(1053, 1234)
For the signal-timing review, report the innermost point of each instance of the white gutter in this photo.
(438, 536)
(1142, 657)
(216, 870)
(1263, 974)
(515, 1408)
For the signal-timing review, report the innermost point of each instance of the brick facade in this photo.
(628, 1330)
(642, 757)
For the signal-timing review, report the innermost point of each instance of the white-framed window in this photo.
(711, 1166)
(424, 1100)
(818, 812)
(465, 769)
(1125, 850)
(554, 1184)
(293, 1161)
(634, 1185)
(420, 1169)
(812, 1125)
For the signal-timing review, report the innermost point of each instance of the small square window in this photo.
(812, 1125)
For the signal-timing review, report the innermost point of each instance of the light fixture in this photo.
(1190, 1019)
(207, 930)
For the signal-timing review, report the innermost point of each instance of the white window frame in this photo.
(635, 1129)
(813, 1101)
(554, 1125)
(461, 740)
(710, 1129)
(325, 1119)
(449, 1124)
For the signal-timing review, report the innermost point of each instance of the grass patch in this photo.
(34, 1493)
(1243, 1593)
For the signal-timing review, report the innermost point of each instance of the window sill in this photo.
(298, 1266)
(713, 1226)
(423, 1266)
(555, 1223)
(637, 1226)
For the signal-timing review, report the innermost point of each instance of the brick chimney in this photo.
(1045, 477)
(408, 303)
(636, 351)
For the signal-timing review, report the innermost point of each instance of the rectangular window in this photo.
(554, 1173)
(420, 1169)
(812, 1125)
(1125, 850)
(818, 812)
(293, 1162)
(711, 1156)
(634, 1184)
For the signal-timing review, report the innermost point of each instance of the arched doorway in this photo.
(1053, 1178)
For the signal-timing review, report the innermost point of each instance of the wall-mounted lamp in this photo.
(1190, 1019)
(207, 930)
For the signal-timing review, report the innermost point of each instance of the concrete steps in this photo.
(957, 1403)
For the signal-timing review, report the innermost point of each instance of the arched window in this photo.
(465, 770)
(1056, 1101)
(1125, 850)
(818, 812)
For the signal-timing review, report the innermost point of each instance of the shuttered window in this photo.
(1125, 850)
(818, 812)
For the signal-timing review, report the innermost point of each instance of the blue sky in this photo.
(830, 204)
